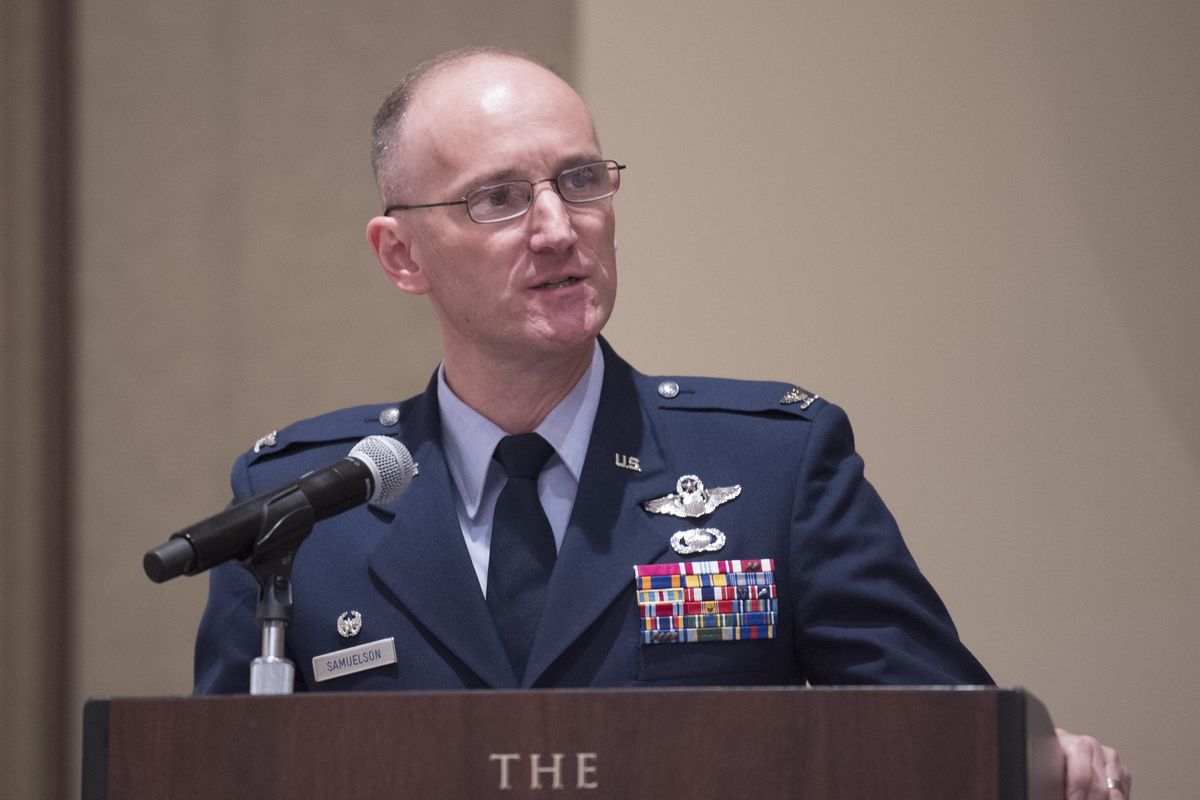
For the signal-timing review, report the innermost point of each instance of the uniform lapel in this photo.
(608, 532)
(424, 562)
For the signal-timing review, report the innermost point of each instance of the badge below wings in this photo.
(707, 601)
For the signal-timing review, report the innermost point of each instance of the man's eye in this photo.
(582, 178)
(499, 196)
(491, 200)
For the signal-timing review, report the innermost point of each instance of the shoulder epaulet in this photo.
(348, 423)
(735, 395)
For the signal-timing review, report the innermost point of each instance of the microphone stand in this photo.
(287, 520)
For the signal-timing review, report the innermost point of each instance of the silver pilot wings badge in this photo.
(691, 499)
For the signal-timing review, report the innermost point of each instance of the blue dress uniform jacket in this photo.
(853, 607)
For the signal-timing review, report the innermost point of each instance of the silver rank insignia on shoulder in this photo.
(692, 499)
(266, 441)
(798, 395)
(349, 624)
(697, 540)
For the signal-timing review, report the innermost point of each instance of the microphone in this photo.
(377, 470)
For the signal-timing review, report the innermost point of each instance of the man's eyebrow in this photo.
(510, 174)
(499, 176)
(578, 161)
(468, 185)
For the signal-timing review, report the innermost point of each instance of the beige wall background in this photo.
(225, 285)
(972, 224)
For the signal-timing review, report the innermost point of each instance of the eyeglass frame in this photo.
(553, 180)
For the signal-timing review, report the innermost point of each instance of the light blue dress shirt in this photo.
(470, 440)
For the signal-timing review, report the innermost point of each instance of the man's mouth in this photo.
(559, 284)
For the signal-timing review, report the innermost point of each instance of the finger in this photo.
(1117, 777)
(1100, 787)
(1084, 770)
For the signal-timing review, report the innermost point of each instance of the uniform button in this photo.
(668, 389)
(389, 416)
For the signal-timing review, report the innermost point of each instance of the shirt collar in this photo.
(470, 438)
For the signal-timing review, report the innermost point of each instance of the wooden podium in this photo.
(896, 743)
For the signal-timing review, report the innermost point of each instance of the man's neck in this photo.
(515, 394)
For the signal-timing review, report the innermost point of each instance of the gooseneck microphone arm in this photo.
(287, 519)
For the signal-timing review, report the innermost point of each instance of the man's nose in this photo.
(552, 228)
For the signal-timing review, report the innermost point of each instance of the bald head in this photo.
(426, 86)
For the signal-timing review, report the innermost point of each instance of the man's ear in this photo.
(390, 239)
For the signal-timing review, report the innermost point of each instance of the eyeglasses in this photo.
(499, 202)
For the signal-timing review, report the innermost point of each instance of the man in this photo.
(490, 573)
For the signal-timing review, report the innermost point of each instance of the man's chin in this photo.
(567, 336)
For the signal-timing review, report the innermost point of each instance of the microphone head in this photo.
(391, 466)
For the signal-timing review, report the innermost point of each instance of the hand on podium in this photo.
(1094, 770)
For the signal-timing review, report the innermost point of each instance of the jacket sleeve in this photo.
(228, 638)
(864, 612)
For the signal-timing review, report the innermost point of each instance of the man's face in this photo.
(531, 287)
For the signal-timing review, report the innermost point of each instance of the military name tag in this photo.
(354, 659)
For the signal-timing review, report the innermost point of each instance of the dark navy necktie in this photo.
(522, 552)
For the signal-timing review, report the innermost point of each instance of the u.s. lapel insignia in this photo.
(798, 395)
(266, 441)
(697, 540)
(691, 499)
(628, 462)
(349, 624)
